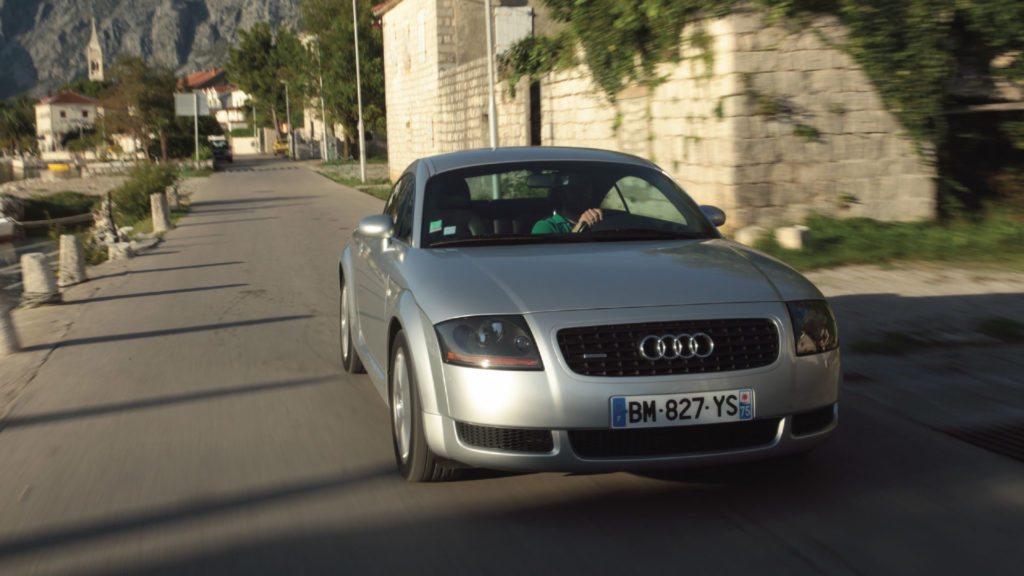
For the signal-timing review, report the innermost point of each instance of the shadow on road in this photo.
(167, 332)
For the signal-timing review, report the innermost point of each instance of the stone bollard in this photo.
(792, 237)
(173, 202)
(72, 260)
(158, 205)
(39, 284)
(9, 343)
(750, 235)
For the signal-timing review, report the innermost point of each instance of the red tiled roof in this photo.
(68, 97)
(384, 7)
(203, 77)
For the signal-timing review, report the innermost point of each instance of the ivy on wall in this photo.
(910, 49)
(622, 41)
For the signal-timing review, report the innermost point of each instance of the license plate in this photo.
(682, 409)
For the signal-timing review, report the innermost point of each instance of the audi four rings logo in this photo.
(673, 346)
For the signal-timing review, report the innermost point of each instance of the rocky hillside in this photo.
(42, 42)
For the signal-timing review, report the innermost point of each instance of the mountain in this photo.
(42, 42)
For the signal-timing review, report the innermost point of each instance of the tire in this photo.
(415, 461)
(349, 358)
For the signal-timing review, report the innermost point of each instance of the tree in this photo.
(140, 101)
(331, 22)
(18, 124)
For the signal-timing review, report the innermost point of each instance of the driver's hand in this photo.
(590, 217)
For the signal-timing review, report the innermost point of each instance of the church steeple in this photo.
(94, 56)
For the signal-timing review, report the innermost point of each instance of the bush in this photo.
(131, 199)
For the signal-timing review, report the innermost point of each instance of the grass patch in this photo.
(200, 173)
(996, 239)
(59, 205)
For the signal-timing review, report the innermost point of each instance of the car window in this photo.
(400, 207)
(516, 202)
(638, 196)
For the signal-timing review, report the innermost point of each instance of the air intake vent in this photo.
(511, 439)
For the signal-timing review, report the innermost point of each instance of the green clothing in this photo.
(553, 225)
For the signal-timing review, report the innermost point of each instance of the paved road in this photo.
(184, 413)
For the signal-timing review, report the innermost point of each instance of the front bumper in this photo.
(558, 420)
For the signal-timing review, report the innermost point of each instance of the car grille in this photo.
(511, 439)
(613, 350)
(673, 441)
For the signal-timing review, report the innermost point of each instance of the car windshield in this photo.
(543, 202)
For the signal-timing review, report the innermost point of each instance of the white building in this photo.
(63, 113)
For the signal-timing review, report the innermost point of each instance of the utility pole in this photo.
(492, 113)
(323, 108)
(359, 99)
(288, 111)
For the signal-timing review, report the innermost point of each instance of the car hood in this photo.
(456, 282)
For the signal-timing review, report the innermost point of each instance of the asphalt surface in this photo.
(184, 412)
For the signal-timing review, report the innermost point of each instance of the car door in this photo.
(376, 259)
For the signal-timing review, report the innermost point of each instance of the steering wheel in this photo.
(612, 220)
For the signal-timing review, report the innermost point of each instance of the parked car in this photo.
(559, 309)
(222, 151)
(281, 148)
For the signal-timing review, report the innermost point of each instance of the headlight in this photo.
(814, 327)
(489, 342)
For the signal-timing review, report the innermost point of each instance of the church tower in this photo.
(94, 55)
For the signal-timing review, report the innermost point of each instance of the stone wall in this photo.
(437, 98)
(411, 81)
(770, 124)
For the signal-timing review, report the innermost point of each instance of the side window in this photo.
(404, 205)
(640, 197)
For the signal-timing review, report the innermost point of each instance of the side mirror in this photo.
(714, 214)
(377, 226)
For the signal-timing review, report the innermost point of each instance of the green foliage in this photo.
(334, 59)
(808, 133)
(131, 199)
(59, 205)
(998, 238)
(140, 100)
(623, 41)
(18, 125)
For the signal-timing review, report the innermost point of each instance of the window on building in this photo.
(63, 114)
(85, 113)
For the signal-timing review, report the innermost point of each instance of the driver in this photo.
(572, 214)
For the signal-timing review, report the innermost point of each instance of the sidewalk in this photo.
(944, 371)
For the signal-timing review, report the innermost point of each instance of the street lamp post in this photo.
(359, 99)
(288, 111)
(492, 113)
(323, 108)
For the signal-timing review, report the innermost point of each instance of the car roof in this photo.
(485, 156)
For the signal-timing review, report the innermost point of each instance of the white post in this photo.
(359, 99)
(40, 286)
(158, 207)
(9, 343)
(72, 260)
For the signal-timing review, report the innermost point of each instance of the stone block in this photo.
(749, 235)
(38, 281)
(120, 251)
(792, 237)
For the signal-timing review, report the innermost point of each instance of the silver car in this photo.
(559, 309)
